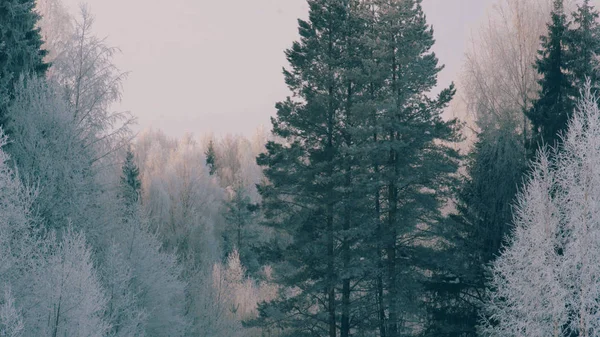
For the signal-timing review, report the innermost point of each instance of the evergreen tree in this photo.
(20, 48)
(495, 169)
(550, 113)
(352, 184)
(211, 158)
(240, 233)
(130, 181)
(413, 155)
(307, 174)
(584, 44)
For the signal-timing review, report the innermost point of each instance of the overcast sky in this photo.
(215, 65)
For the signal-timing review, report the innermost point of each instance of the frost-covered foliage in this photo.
(11, 322)
(66, 297)
(181, 198)
(91, 83)
(228, 297)
(48, 153)
(547, 280)
(509, 40)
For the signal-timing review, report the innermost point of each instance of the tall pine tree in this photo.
(550, 113)
(414, 157)
(309, 192)
(20, 48)
(357, 182)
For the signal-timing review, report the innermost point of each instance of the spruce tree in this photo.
(211, 158)
(130, 181)
(550, 113)
(584, 45)
(20, 48)
(475, 234)
(240, 232)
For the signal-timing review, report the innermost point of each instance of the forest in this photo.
(364, 210)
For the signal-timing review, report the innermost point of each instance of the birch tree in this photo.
(546, 282)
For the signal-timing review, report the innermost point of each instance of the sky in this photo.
(215, 66)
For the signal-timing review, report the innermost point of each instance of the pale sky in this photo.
(215, 65)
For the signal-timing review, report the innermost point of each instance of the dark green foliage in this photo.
(20, 48)
(495, 170)
(241, 231)
(211, 158)
(550, 113)
(584, 45)
(362, 171)
(130, 181)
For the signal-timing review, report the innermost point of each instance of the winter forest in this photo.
(363, 209)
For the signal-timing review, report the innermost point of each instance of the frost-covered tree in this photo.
(91, 82)
(20, 48)
(545, 282)
(11, 322)
(507, 40)
(48, 152)
(65, 295)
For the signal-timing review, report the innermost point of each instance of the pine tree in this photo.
(584, 45)
(20, 48)
(412, 156)
(211, 158)
(550, 113)
(307, 173)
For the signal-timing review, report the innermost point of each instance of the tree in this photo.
(90, 83)
(130, 181)
(20, 48)
(65, 297)
(301, 199)
(551, 111)
(11, 322)
(241, 232)
(211, 158)
(544, 282)
(351, 180)
(411, 151)
(584, 44)
(508, 40)
(475, 234)
(48, 152)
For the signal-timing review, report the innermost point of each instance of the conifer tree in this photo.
(365, 133)
(475, 234)
(211, 158)
(413, 156)
(130, 181)
(240, 232)
(550, 113)
(20, 48)
(584, 44)
(307, 173)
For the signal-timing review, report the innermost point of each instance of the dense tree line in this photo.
(356, 216)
